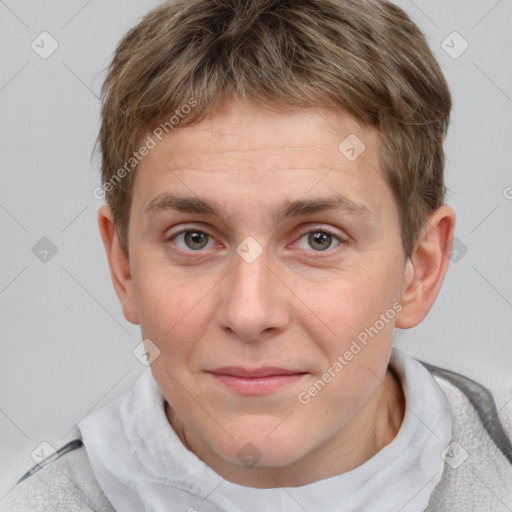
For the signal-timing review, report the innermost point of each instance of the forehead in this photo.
(247, 153)
(283, 133)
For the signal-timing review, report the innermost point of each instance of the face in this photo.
(260, 251)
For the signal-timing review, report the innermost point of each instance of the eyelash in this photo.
(325, 230)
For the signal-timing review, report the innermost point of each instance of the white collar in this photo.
(141, 464)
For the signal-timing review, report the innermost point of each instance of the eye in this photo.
(192, 239)
(318, 240)
(195, 240)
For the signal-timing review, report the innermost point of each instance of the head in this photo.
(273, 173)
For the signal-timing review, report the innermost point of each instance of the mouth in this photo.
(256, 381)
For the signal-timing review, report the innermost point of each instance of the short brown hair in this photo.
(366, 56)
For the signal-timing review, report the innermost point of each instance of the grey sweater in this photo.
(477, 472)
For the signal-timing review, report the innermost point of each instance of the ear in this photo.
(119, 265)
(426, 268)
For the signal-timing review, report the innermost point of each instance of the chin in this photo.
(256, 448)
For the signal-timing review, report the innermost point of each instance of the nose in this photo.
(254, 301)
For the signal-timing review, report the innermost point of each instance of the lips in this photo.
(256, 381)
(237, 371)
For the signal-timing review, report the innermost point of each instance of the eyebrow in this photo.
(290, 208)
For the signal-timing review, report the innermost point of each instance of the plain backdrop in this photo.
(67, 349)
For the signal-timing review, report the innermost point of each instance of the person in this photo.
(273, 177)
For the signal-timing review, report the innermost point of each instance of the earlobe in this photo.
(119, 264)
(426, 268)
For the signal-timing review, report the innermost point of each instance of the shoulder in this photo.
(67, 483)
(478, 462)
(478, 407)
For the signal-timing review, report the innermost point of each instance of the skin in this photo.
(296, 306)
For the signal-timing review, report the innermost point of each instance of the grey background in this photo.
(67, 349)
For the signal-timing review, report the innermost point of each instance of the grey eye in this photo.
(320, 240)
(192, 240)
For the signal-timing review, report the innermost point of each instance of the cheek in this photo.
(353, 336)
(172, 313)
(347, 305)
